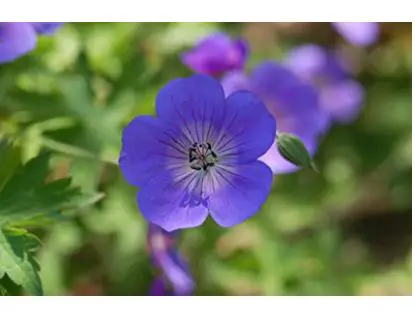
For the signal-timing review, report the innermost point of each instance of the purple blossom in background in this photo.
(341, 97)
(46, 28)
(293, 103)
(18, 39)
(216, 54)
(199, 157)
(359, 34)
(175, 278)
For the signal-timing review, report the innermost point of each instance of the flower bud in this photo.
(294, 151)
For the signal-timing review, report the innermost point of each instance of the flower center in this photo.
(201, 156)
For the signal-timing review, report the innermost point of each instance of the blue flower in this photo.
(341, 97)
(293, 103)
(216, 54)
(199, 156)
(359, 34)
(175, 277)
(46, 28)
(18, 39)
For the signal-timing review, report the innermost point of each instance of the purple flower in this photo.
(46, 28)
(174, 270)
(199, 156)
(216, 54)
(359, 34)
(159, 288)
(16, 39)
(340, 96)
(293, 103)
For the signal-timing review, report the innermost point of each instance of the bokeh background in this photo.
(345, 231)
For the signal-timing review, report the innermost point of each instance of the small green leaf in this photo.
(294, 151)
(26, 195)
(65, 214)
(16, 259)
(9, 160)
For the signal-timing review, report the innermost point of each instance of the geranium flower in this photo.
(199, 156)
(174, 277)
(293, 103)
(216, 54)
(341, 97)
(358, 33)
(18, 39)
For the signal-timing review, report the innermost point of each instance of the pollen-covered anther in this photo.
(202, 156)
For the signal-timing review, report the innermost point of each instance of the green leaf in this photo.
(9, 160)
(65, 214)
(17, 249)
(26, 195)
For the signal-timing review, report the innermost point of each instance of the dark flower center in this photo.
(201, 156)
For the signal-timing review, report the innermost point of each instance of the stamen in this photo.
(201, 156)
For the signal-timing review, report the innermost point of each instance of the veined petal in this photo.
(243, 189)
(150, 147)
(172, 201)
(196, 105)
(247, 131)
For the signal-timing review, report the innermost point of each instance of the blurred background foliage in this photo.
(346, 231)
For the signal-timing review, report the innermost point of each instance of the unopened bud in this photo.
(294, 151)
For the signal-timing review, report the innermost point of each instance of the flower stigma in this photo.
(201, 156)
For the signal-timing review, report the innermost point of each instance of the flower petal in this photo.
(149, 146)
(16, 39)
(307, 61)
(248, 129)
(360, 34)
(215, 54)
(172, 202)
(282, 91)
(242, 46)
(159, 288)
(343, 101)
(198, 94)
(196, 105)
(235, 81)
(243, 189)
(270, 78)
(46, 28)
(163, 250)
(177, 272)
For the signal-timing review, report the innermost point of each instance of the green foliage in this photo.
(27, 199)
(16, 259)
(346, 231)
(25, 195)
